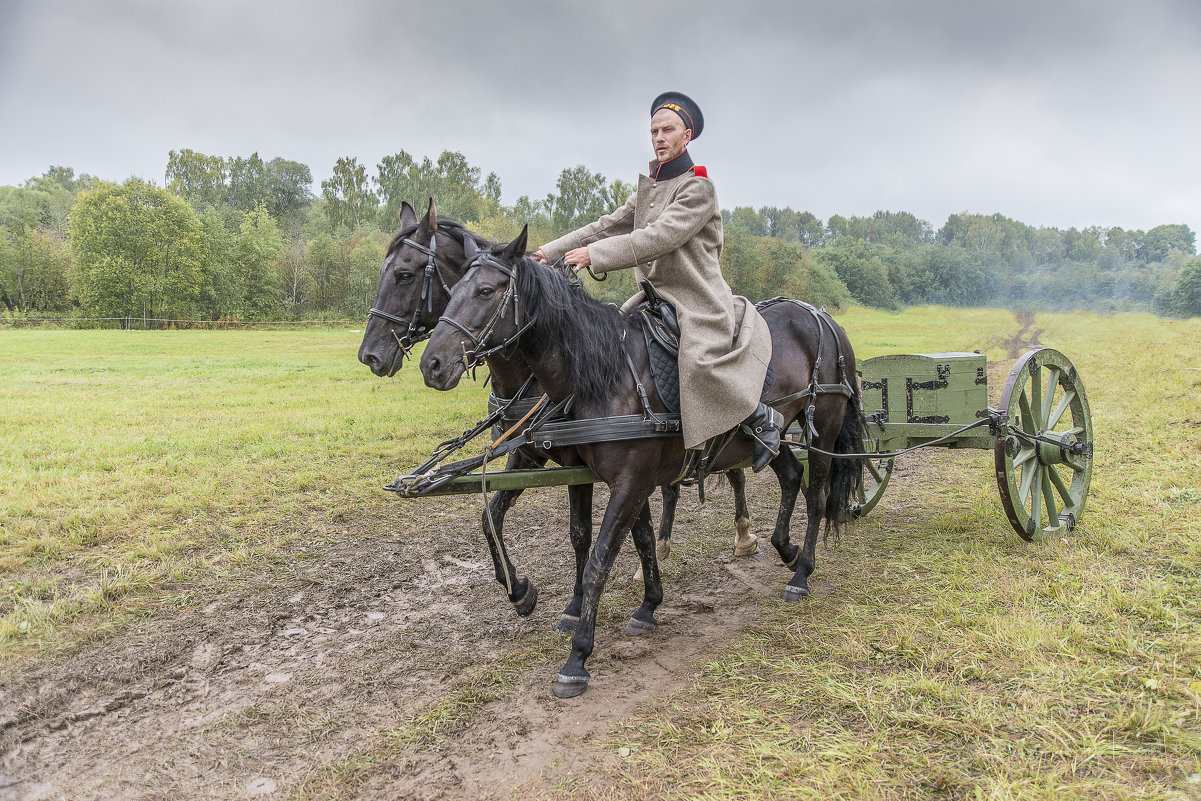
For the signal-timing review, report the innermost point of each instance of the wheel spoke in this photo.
(1027, 418)
(1064, 493)
(1036, 506)
(1026, 455)
(1027, 479)
(1053, 375)
(1068, 397)
(1077, 466)
(1049, 497)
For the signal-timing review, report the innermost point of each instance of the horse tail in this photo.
(846, 474)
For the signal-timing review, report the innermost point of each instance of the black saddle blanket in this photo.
(662, 343)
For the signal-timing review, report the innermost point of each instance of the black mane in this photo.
(590, 334)
(446, 225)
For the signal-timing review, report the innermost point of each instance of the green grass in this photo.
(953, 660)
(130, 459)
(947, 658)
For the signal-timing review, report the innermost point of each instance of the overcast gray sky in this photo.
(1057, 112)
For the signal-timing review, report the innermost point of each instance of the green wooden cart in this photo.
(1040, 433)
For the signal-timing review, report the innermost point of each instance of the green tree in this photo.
(288, 193)
(349, 199)
(581, 198)
(1186, 292)
(34, 267)
(139, 250)
(741, 261)
(451, 181)
(219, 293)
(787, 269)
(810, 231)
(1162, 239)
(296, 277)
(258, 250)
(249, 183)
(197, 178)
(749, 219)
(365, 257)
(860, 269)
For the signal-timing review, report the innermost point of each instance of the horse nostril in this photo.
(371, 359)
(434, 363)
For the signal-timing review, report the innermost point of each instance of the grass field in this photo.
(129, 460)
(954, 660)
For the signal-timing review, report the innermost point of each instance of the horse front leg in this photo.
(815, 504)
(521, 591)
(789, 473)
(625, 504)
(643, 619)
(745, 543)
(579, 498)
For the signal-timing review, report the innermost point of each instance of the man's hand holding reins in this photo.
(578, 258)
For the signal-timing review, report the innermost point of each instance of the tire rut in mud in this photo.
(287, 676)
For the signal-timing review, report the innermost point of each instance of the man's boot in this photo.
(764, 428)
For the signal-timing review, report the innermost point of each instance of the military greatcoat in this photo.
(670, 232)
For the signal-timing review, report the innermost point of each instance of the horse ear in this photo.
(407, 215)
(470, 251)
(430, 223)
(516, 249)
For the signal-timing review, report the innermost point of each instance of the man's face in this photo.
(669, 137)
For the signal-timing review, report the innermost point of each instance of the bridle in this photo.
(474, 357)
(416, 331)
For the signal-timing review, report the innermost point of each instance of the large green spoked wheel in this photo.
(1045, 456)
(875, 476)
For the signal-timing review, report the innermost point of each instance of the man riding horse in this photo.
(670, 232)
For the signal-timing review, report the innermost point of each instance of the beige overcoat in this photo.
(670, 232)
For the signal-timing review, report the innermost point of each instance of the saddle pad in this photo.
(665, 369)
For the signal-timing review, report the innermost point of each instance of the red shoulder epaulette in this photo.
(700, 172)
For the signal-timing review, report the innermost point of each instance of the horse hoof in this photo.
(566, 624)
(746, 550)
(525, 607)
(638, 627)
(570, 686)
(792, 593)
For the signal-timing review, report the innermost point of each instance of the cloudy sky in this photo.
(1056, 112)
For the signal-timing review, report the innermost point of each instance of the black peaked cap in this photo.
(683, 105)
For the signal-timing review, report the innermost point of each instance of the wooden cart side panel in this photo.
(925, 388)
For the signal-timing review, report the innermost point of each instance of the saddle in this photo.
(661, 328)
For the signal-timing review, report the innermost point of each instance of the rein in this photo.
(416, 332)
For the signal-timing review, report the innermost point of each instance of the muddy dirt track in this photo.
(281, 682)
(383, 661)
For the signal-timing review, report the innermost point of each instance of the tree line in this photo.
(241, 238)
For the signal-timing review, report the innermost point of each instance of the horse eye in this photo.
(404, 277)
(486, 291)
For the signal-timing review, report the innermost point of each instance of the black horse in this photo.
(580, 348)
(422, 265)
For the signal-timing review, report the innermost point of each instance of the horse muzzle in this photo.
(439, 373)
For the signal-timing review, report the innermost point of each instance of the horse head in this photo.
(483, 315)
(423, 262)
